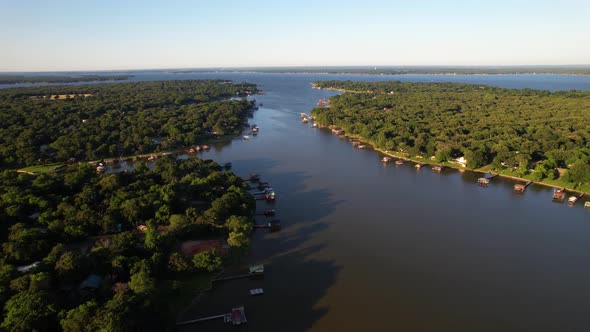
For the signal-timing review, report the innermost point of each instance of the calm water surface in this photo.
(367, 246)
(388, 248)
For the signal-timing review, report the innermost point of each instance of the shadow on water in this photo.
(285, 253)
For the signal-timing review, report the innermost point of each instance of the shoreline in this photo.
(427, 161)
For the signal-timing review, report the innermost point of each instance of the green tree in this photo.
(80, 318)
(29, 311)
(142, 281)
(207, 261)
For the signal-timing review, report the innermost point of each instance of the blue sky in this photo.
(105, 35)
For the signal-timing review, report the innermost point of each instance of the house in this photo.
(28, 268)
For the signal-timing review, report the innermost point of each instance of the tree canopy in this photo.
(507, 128)
(91, 122)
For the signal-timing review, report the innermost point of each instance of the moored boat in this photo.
(386, 159)
(399, 162)
(572, 200)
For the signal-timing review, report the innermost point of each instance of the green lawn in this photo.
(41, 168)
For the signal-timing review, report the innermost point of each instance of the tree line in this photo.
(533, 132)
(13, 79)
(112, 119)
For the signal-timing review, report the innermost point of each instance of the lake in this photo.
(368, 246)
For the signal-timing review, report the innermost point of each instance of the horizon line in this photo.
(299, 66)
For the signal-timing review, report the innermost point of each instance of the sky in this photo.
(111, 35)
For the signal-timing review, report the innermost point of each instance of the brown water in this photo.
(367, 246)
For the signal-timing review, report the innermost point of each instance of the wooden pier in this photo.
(266, 213)
(237, 316)
(204, 319)
(253, 271)
(485, 180)
(274, 225)
(521, 187)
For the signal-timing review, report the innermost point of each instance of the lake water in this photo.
(367, 246)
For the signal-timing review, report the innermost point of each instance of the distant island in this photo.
(60, 79)
(534, 135)
(402, 70)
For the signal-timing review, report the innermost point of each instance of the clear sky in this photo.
(103, 34)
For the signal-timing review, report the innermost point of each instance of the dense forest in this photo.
(90, 122)
(83, 251)
(5, 79)
(532, 133)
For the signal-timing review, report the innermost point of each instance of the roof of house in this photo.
(93, 281)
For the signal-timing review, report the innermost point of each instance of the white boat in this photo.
(587, 204)
(101, 168)
(572, 200)
(361, 146)
(246, 137)
(256, 291)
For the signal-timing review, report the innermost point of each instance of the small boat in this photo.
(399, 162)
(206, 147)
(198, 148)
(152, 157)
(304, 120)
(246, 137)
(303, 115)
(361, 146)
(191, 150)
(572, 200)
(256, 269)
(314, 125)
(418, 165)
(255, 130)
(270, 196)
(256, 291)
(587, 204)
(386, 159)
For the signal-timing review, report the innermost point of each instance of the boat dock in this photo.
(204, 319)
(253, 271)
(559, 194)
(274, 225)
(485, 180)
(237, 316)
(521, 187)
(573, 199)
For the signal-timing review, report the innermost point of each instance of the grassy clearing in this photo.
(39, 169)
